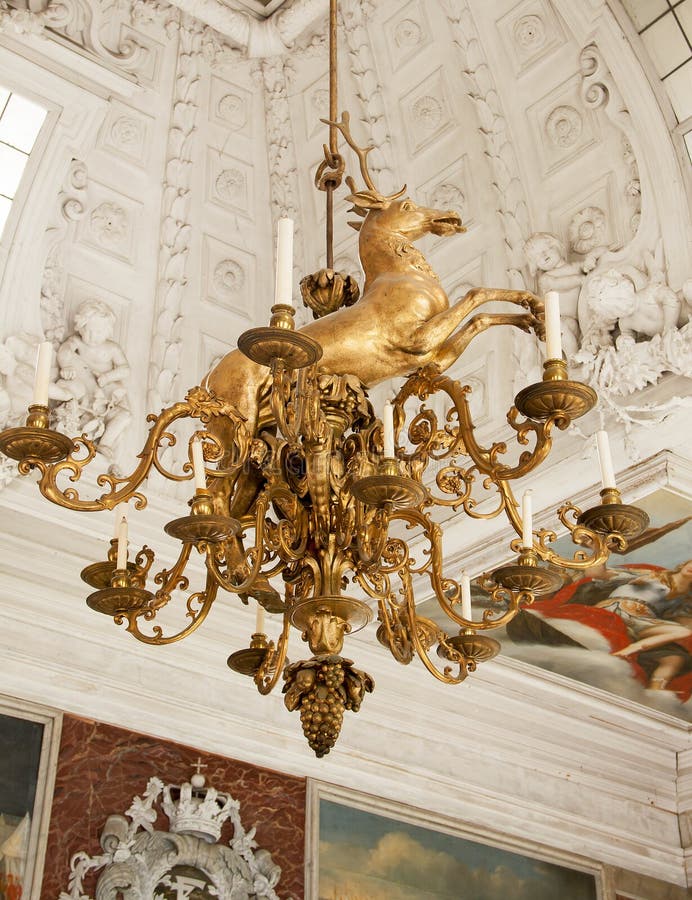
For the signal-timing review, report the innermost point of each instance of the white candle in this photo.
(44, 360)
(553, 337)
(466, 597)
(284, 262)
(121, 561)
(526, 521)
(198, 465)
(259, 620)
(605, 460)
(120, 512)
(388, 425)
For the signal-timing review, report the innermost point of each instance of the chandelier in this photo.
(306, 502)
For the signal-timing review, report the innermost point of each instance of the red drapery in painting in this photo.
(611, 626)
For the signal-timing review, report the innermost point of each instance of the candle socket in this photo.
(124, 596)
(527, 575)
(389, 466)
(120, 578)
(555, 396)
(37, 416)
(249, 660)
(555, 370)
(202, 504)
(203, 524)
(612, 517)
(470, 646)
(528, 557)
(282, 317)
(35, 441)
(389, 486)
(99, 575)
(610, 495)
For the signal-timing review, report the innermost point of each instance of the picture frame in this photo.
(29, 746)
(405, 836)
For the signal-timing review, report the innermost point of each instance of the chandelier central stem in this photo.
(332, 184)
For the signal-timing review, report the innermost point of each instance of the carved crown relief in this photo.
(140, 862)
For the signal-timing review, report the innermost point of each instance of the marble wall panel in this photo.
(101, 768)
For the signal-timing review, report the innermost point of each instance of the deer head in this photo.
(393, 213)
(402, 216)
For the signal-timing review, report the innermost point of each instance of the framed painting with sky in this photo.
(362, 848)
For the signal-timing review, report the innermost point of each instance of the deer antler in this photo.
(344, 126)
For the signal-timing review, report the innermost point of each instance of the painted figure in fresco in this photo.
(643, 611)
(661, 616)
(93, 376)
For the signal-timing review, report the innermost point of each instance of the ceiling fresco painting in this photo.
(625, 627)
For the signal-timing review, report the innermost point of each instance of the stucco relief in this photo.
(427, 112)
(564, 126)
(140, 862)
(232, 109)
(110, 224)
(176, 230)
(93, 375)
(482, 91)
(231, 187)
(127, 132)
(81, 23)
(408, 34)
(283, 166)
(623, 326)
(72, 202)
(229, 277)
(529, 32)
(448, 196)
(369, 92)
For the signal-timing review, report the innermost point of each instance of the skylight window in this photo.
(20, 123)
(665, 27)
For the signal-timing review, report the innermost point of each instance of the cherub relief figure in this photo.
(626, 304)
(547, 259)
(17, 368)
(93, 377)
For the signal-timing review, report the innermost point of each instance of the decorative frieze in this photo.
(176, 229)
(483, 93)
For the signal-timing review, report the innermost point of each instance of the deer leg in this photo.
(451, 349)
(437, 329)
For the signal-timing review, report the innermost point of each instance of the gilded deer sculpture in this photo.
(403, 320)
